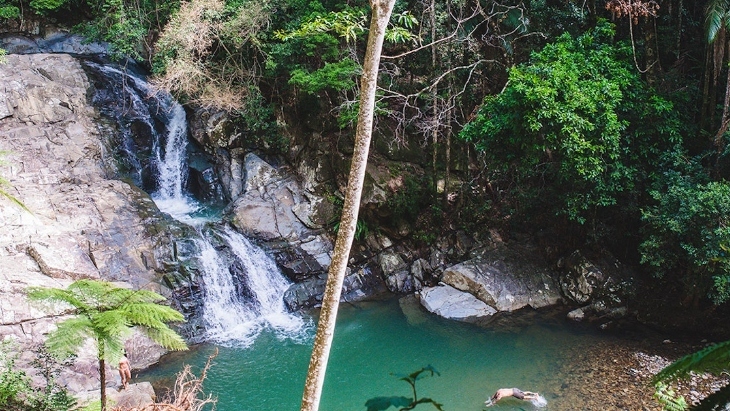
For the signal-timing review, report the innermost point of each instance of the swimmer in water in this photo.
(512, 392)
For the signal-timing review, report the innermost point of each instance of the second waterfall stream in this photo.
(238, 304)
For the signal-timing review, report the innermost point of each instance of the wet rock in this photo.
(54, 42)
(357, 286)
(504, 283)
(448, 302)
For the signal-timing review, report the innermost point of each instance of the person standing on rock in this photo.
(125, 371)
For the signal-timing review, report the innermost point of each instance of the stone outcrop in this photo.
(54, 41)
(503, 283)
(79, 223)
(275, 210)
(448, 302)
(503, 278)
(601, 289)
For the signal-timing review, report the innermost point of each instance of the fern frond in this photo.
(113, 349)
(111, 322)
(714, 401)
(167, 338)
(53, 296)
(151, 314)
(668, 399)
(69, 336)
(144, 296)
(714, 359)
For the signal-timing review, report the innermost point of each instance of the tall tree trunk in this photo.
(102, 374)
(434, 97)
(707, 103)
(725, 121)
(381, 11)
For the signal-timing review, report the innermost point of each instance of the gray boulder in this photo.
(448, 302)
(357, 286)
(601, 289)
(503, 284)
(136, 396)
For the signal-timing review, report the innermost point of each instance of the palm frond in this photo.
(717, 17)
(714, 359)
(714, 401)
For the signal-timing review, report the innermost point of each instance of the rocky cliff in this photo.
(79, 222)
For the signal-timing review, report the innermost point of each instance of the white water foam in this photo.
(171, 160)
(539, 402)
(231, 321)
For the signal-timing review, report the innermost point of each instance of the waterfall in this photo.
(243, 286)
(227, 316)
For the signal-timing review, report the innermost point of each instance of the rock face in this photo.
(79, 223)
(504, 279)
(601, 289)
(274, 209)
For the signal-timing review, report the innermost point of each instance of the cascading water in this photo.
(227, 316)
(232, 316)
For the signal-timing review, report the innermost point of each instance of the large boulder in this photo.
(504, 281)
(600, 287)
(358, 285)
(448, 302)
(275, 210)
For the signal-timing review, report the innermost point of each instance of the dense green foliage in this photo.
(605, 134)
(686, 229)
(17, 393)
(562, 127)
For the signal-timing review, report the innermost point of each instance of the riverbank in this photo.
(616, 375)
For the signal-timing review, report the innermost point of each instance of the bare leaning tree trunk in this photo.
(381, 11)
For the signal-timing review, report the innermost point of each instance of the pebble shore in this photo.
(616, 375)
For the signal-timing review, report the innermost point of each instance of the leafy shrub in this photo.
(687, 231)
(16, 391)
(338, 76)
(572, 125)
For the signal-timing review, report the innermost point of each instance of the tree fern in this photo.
(106, 313)
(717, 18)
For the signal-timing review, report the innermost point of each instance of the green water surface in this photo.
(375, 340)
